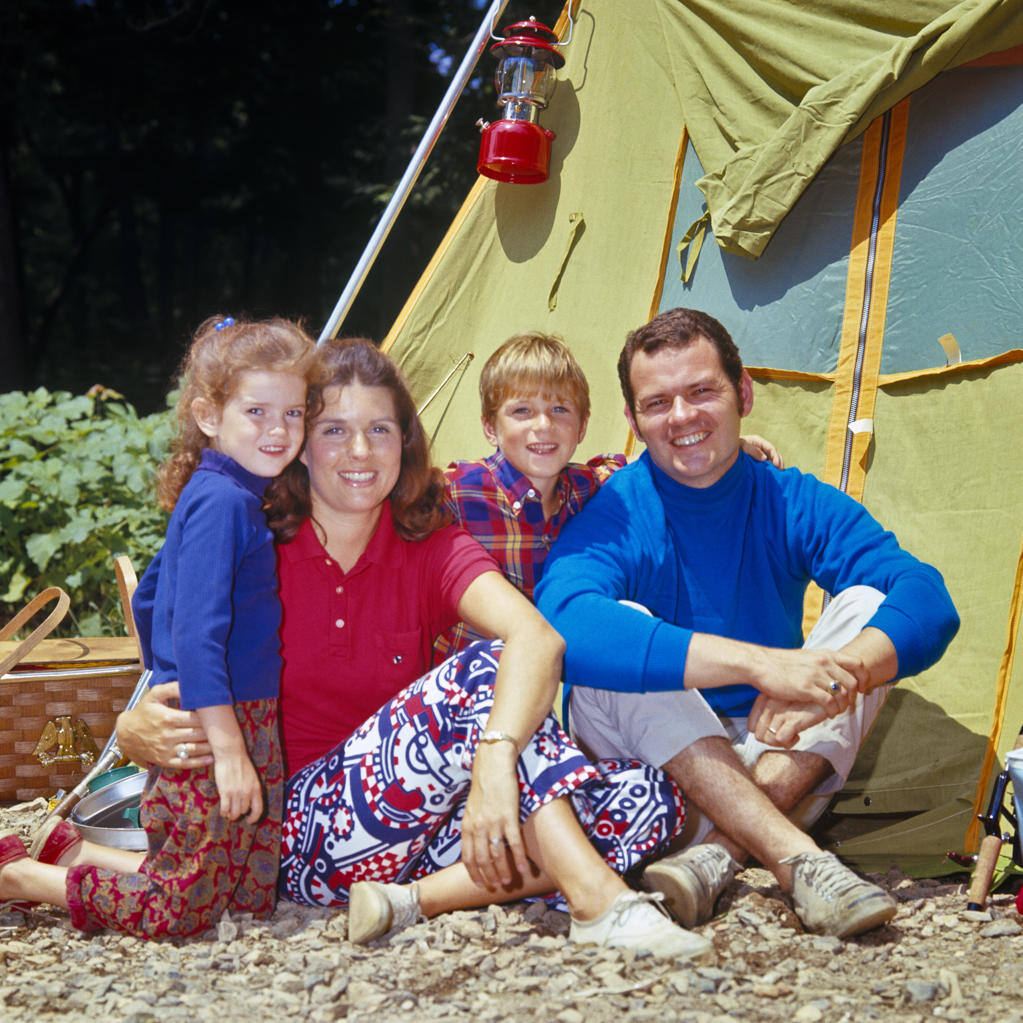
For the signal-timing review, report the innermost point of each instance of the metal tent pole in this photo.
(412, 172)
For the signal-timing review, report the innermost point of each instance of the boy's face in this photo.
(538, 434)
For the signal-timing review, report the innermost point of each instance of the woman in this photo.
(419, 793)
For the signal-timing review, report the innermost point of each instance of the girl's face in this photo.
(353, 452)
(262, 423)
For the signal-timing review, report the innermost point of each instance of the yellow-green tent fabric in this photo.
(877, 174)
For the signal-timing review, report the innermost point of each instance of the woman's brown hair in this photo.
(418, 498)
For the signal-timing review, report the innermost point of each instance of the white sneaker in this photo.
(635, 921)
(830, 899)
(375, 908)
(691, 881)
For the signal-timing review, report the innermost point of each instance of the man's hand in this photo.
(829, 679)
(778, 723)
(491, 834)
(156, 730)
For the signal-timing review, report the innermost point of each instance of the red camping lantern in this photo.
(517, 148)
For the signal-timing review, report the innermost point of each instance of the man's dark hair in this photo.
(678, 328)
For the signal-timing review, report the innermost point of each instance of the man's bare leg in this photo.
(749, 810)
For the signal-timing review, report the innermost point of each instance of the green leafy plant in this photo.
(76, 491)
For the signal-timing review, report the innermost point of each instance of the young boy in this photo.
(535, 405)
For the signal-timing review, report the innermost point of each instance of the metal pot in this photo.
(101, 816)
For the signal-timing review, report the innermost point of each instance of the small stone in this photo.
(826, 944)
(534, 912)
(1002, 929)
(920, 990)
(808, 1014)
(227, 930)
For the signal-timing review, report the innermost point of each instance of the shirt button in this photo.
(328, 562)
(340, 623)
(340, 589)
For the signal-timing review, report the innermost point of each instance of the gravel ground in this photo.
(933, 961)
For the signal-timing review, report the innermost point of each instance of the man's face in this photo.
(687, 411)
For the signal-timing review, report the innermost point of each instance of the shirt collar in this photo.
(216, 461)
(385, 546)
(680, 494)
(515, 484)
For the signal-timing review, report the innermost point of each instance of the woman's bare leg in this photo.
(555, 841)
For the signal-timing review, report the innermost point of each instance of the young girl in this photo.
(208, 617)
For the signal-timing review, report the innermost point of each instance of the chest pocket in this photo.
(400, 658)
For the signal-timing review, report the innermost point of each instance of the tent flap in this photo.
(772, 90)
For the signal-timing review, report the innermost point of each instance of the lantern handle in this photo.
(571, 24)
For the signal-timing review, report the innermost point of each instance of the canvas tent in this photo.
(853, 171)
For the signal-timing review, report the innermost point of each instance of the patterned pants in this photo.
(198, 864)
(387, 804)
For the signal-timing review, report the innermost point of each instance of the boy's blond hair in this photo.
(532, 363)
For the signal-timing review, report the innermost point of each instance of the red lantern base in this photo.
(515, 151)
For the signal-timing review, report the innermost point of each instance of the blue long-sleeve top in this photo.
(207, 609)
(733, 559)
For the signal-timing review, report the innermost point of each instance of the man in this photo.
(706, 677)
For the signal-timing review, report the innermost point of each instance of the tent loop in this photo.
(692, 240)
(577, 224)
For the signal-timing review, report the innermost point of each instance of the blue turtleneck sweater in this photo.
(733, 559)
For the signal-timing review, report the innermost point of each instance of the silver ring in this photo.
(182, 752)
(497, 841)
(834, 686)
(773, 731)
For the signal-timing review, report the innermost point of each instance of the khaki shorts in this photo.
(654, 727)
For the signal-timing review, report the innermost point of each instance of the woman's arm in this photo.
(155, 730)
(526, 684)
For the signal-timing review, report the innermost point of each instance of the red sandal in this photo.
(12, 847)
(52, 839)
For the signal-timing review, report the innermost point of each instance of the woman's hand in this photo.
(156, 731)
(491, 835)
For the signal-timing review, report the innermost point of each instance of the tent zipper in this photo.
(868, 284)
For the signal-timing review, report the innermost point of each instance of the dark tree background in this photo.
(163, 160)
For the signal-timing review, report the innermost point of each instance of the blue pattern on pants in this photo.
(386, 804)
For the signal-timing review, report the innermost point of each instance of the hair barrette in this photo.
(226, 322)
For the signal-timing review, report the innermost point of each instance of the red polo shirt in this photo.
(352, 640)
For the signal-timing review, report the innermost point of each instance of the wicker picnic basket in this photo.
(59, 699)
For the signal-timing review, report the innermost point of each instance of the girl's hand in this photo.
(762, 450)
(241, 793)
(492, 840)
(238, 783)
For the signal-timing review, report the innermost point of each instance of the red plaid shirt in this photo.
(498, 505)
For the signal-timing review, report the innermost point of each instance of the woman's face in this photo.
(353, 452)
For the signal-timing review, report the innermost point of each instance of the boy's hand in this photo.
(240, 790)
(762, 450)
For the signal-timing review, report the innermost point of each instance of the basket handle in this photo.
(52, 620)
